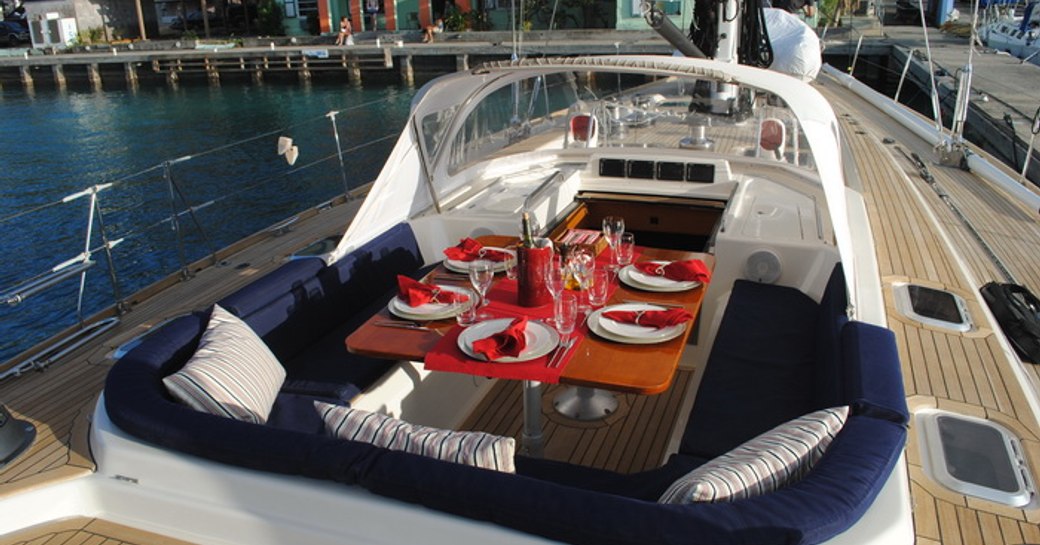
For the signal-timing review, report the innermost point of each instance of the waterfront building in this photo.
(404, 15)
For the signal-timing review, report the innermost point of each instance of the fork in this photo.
(561, 351)
(402, 325)
(633, 301)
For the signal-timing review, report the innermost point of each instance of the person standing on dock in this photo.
(372, 9)
(346, 32)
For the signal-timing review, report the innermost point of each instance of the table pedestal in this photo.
(582, 403)
(532, 441)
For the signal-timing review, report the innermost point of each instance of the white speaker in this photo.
(763, 266)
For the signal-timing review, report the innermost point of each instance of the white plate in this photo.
(631, 333)
(541, 339)
(636, 278)
(496, 266)
(431, 311)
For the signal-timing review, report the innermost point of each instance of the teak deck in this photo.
(967, 373)
(917, 237)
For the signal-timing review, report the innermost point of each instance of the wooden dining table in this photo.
(595, 362)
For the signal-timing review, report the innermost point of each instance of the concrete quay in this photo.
(399, 55)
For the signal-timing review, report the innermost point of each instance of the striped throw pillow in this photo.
(768, 462)
(231, 374)
(472, 448)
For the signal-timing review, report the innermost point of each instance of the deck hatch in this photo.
(932, 306)
(976, 457)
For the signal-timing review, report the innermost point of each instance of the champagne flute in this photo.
(613, 227)
(555, 279)
(481, 276)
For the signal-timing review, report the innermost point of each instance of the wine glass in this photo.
(626, 249)
(581, 265)
(613, 227)
(566, 314)
(600, 287)
(481, 276)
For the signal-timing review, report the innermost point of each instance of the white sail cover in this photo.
(796, 48)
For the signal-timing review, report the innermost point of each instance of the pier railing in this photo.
(71, 257)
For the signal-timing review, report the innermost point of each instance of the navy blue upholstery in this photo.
(831, 318)
(779, 355)
(284, 279)
(829, 500)
(760, 372)
(303, 311)
(873, 381)
(769, 365)
(646, 485)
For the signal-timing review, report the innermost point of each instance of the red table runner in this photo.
(502, 303)
(447, 356)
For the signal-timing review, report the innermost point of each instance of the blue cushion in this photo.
(644, 485)
(874, 380)
(828, 501)
(760, 372)
(327, 360)
(832, 315)
(296, 412)
(302, 301)
(318, 388)
(284, 279)
(137, 402)
(393, 252)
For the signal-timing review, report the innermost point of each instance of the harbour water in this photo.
(199, 158)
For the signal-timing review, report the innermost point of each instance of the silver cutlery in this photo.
(561, 351)
(403, 325)
(670, 305)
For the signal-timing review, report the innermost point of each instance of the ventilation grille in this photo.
(670, 171)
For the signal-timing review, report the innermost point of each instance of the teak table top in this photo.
(596, 362)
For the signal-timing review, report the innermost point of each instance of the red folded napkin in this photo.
(681, 271)
(650, 318)
(469, 249)
(415, 293)
(508, 342)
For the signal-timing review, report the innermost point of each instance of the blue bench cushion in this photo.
(763, 464)
(299, 303)
(295, 412)
(761, 371)
(873, 378)
(826, 502)
(286, 278)
(645, 485)
(393, 252)
(832, 315)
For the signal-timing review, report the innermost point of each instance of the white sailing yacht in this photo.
(843, 293)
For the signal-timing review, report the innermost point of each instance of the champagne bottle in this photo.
(527, 238)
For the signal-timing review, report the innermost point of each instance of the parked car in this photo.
(12, 33)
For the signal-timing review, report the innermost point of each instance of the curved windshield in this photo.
(566, 110)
